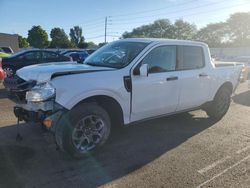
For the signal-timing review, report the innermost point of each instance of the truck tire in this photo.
(87, 128)
(220, 105)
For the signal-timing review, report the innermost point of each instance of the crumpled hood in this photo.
(43, 72)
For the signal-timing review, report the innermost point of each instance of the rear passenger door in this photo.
(194, 79)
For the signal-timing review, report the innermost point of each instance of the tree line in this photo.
(234, 32)
(38, 38)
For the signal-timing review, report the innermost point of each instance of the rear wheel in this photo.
(87, 130)
(220, 105)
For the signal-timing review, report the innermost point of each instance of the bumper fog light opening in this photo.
(47, 123)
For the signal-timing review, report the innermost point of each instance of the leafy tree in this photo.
(76, 36)
(101, 44)
(159, 29)
(59, 39)
(92, 45)
(22, 42)
(83, 45)
(37, 37)
(184, 30)
(213, 34)
(164, 29)
(87, 45)
(239, 28)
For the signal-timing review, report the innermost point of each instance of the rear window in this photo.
(190, 57)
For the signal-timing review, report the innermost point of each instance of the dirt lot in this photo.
(186, 150)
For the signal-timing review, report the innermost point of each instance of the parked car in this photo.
(246, 69)
(245, 72)
(90, 51)
(3, 54)
(7, 50)
(78, 56)
(243, 59)
(125, 81)
(30, 57)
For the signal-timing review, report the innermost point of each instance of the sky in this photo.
(18, 16)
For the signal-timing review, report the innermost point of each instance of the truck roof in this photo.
(161, 40)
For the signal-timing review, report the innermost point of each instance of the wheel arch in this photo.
(110, 104)
(225, 85)
(9, 66)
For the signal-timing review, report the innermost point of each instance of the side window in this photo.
(161, 59)
(190, 57)
(31, 56)
(49, 55)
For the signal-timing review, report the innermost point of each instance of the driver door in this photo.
(158, 93)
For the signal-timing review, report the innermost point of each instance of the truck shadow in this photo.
(242, 98)
(36, 163)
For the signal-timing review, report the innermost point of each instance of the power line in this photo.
(96, 29)
(151, 10)
(105, 30)
(100, 36)
(91, 21)
(98, 21)
(173, 12)
(107, 21)
(93, 26)
(199, 13)
(140, 22)
(95, 37)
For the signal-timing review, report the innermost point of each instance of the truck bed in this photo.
(226, 63)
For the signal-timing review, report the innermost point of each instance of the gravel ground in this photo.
(185, 150)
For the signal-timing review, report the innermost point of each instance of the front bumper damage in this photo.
(33, 112)
(42, 112)
(49, 118)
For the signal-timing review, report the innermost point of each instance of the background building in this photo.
(9, 40)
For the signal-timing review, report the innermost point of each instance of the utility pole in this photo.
(105, 30)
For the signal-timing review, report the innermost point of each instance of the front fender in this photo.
(72, 100)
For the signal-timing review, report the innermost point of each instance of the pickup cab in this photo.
(123, 82)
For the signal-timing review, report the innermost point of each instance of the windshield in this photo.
(18, 53)
(116, 54)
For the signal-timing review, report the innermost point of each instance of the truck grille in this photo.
(17, 88)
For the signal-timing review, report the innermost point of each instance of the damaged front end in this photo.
(35, 102)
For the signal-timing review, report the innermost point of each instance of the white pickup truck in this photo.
(123, 82)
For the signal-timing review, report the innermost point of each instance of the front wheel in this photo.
(220, 105)
(87, 129)
(9, 71)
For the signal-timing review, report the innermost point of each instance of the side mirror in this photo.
(144, 70)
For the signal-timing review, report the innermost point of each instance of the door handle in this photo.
(172, 78)
(203, 75)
